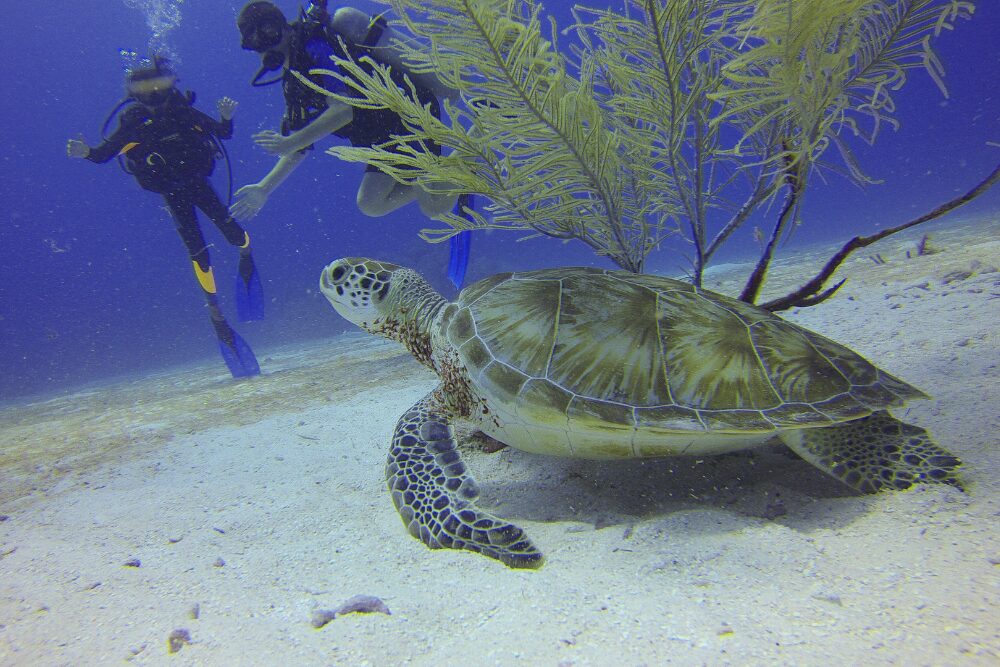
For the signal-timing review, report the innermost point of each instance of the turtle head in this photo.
(380, 297)
(358, 288)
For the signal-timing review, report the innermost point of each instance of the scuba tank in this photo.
(316, 11)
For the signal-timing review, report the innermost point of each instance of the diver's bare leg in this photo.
(380, 194)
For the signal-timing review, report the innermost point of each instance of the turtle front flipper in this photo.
(875, 453)
(436, 497)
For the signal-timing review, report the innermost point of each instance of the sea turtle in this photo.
(604, 364)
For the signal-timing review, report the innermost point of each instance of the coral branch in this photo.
(804, 295)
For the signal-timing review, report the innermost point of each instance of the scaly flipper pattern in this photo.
(435, 495)
(876, 452)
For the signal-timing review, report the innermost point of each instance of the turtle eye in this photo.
(337, 274)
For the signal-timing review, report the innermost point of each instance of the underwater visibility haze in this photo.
(657, 455)
(96, 282)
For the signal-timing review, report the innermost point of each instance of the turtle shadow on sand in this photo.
(769, 483)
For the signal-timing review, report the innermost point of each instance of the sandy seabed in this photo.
(226, 513)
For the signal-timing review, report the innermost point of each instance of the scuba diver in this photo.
(309, 43)
(170, 148)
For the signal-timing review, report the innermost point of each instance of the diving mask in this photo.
(153, 92)
(262, 36)
(261, 25)
(262, 28)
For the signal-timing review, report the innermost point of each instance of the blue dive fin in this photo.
(460, 243)
(238, 356)
(459, 260)
(249, 291)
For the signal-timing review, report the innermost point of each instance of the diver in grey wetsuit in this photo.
(309, 116)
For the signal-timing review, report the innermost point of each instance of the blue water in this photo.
(96, 283)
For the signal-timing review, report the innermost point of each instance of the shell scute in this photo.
(842, 407)
(670, 417)
(515, 321)
(794, 415)
(476, 290)
(475, 355)
(607, 345)
(735, 421)
(607, 354)
(592, 416)
(798, 371)
(542, 402)
(710, 355)
(461, 327)
(502, 382)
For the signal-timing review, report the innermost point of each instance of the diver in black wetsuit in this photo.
(309, 116)
(170, 147)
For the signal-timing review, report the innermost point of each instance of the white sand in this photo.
(258, 502)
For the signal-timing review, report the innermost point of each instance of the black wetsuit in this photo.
(170, 151)
(311, 47)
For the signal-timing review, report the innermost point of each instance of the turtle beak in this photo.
(335, 283)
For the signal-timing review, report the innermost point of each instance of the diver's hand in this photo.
(77, 148)
(249, 200)
(273, 143)
(227, 107)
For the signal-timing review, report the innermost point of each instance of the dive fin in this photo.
(249, 291)
(459, 260)
(235, 352)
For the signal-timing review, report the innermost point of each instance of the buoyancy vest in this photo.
(313, 44)
(170, 145)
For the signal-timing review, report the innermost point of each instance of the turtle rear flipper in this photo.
(875, 453)
(435, 495)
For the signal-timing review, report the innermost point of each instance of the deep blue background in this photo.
(95, 282)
